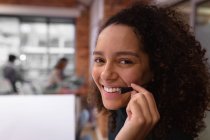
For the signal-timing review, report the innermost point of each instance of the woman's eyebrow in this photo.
(97, 53)
(118, 53)
(128, 53)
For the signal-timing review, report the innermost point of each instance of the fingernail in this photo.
(133, 92)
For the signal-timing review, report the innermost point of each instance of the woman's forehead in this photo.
(117, 29)
(118, 37)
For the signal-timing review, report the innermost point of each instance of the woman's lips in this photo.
(111, 89)
(113, 93)
(120, 90)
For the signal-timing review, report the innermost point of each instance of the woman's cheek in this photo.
(131, 78)
(96, 76)
(94, 72)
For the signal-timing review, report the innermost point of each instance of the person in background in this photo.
(151, 50)
(11, 73)
(57, 74)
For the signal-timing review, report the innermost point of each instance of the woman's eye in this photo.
(98, 60)
(125, 61)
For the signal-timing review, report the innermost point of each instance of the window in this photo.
(39, 41)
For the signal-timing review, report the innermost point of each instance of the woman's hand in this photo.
(142, 115)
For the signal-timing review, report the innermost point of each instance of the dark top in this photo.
(12, 74)
(175, 134)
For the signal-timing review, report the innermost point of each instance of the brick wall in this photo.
(111, 7)
(82, 43)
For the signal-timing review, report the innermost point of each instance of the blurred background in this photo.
(40, 32)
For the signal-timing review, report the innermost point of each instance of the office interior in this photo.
(41, 32)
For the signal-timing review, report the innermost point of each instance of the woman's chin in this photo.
(112, 106)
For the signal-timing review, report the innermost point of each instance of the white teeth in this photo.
(111, 90)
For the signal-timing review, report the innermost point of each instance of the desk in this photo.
(37, 117)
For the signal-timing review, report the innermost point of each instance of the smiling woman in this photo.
(119, 62)
(150, 50)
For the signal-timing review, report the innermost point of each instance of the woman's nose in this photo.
(109, 72)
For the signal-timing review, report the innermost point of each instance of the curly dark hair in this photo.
(181, 74)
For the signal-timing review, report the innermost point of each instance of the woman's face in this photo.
(119, 61)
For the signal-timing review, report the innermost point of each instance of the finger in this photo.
(136, 116)
(142, 101)
(151, 117)
(133, 92)
(148, 95)
(152, 105)
(150, 99)
(128, 111)
(134, 109)
(138, 88)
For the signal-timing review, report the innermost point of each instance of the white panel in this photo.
(41, 117)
